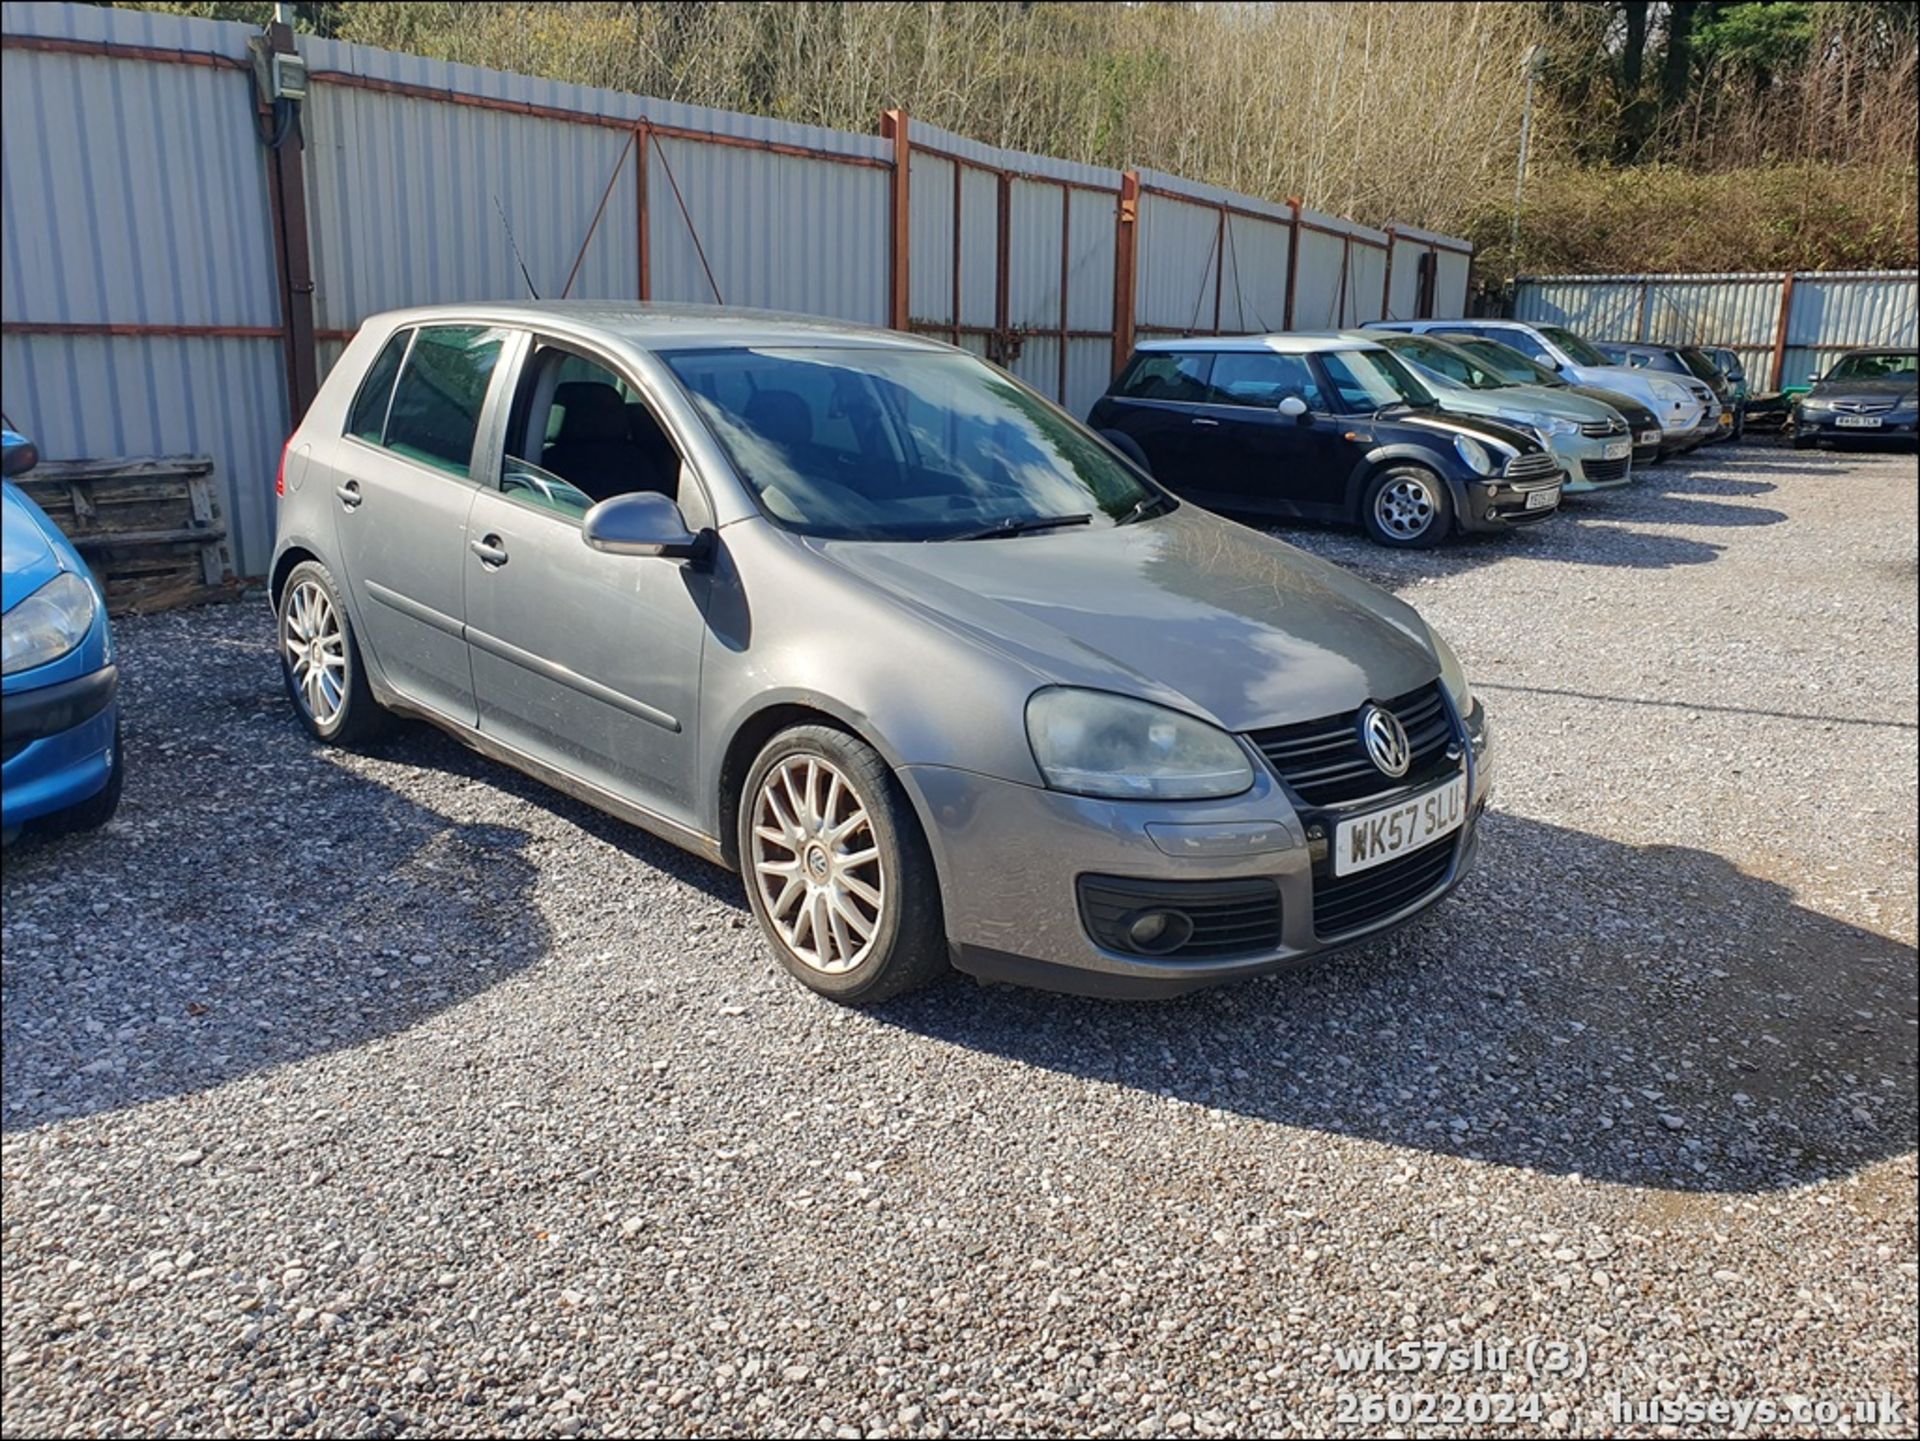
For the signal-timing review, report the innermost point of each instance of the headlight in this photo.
(47, 624)
(1810, 402)
(1097, 744)
(1557, 425)
(1451, 675)
(1474, 454)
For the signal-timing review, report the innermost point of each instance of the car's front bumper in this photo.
(1011, 856)
(58, 742)
(1895, 425)
(1587, 465)
(1499, 504)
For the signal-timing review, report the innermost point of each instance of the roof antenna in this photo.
(515, 248)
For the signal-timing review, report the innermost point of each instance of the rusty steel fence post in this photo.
(1293, 256)
(1126, 220)
(893, 127)
(1780, 331)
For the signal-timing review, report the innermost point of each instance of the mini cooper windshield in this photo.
(878, 444)
(1372, 381)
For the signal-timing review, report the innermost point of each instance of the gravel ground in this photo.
(394, 1094)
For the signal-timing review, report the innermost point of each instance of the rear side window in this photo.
(436, 405)
(1251, 377)
(1167, 375)
(369, 417)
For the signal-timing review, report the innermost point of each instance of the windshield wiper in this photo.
(1016, 525)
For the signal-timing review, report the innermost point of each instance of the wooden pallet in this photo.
(149, 527)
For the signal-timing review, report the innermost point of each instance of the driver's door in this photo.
(583, 661)
(1261, 459)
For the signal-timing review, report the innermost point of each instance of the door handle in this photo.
(492, 554)
(349, 494)
(1204, 420)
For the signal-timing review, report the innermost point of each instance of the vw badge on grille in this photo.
(1386, 740)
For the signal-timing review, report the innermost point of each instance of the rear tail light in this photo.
(280, 476)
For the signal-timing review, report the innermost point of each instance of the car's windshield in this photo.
(1872, 365)
(881, 444)
(1509, 364)
(1581, 352)
(1369, 380)
(1447, 361)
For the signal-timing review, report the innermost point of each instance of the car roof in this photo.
(1879, 350)
(657, 326)
(1292, 342)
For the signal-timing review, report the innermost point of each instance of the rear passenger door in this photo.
(402, 490)
(1156, 404)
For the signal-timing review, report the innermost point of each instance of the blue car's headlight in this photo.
(47, 624)
(1095, 743)
(1473, 454)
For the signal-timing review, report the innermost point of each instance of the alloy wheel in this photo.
(816, 863)
(1404, 508)
(316, 651)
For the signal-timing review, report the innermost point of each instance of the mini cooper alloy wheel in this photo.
(1404, 508)
(316, 651)
(816, 862)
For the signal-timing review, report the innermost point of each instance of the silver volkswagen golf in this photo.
(861, 616)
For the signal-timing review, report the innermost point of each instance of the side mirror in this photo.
(1540, 357)
(1294, 408)
(644, 523)
(20, 456)
(1813, 379)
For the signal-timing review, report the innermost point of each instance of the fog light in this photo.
(1155, 932)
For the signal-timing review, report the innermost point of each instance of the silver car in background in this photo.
(1590, 440)
(944, 676)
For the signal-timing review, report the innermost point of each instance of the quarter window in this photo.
(1168, 375)
(436, 405)
(369, 417)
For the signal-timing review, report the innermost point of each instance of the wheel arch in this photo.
(1383, 456)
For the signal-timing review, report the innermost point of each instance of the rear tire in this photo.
(837, 869)
(97, 809)
(320, 661)
(1407, 507)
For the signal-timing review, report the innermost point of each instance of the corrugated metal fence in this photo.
(1785, 327)
(170, 283)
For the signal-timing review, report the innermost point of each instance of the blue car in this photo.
(60, 761)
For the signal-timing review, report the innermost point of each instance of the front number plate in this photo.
(1649, 437)
(1363, 842)
(1862, 422)
(1543, 499)
(1618, 450)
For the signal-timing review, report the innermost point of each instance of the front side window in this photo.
(1370, 380)
(580, 433)
(881, 444)
(1263, 378)
(1509, 364)
(437, 402)
(368, 419)
(1176, 375)
(1580, 351)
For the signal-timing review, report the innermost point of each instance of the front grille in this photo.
(1537, 466)
(1600, 472)
(1228, 918)
(1863, 407)
(1324, 763)
(1601, 429)
(1345, 904)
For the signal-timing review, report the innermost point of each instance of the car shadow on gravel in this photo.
(1647, 1016)
(206, 935)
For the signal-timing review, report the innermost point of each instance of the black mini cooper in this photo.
(1322, 427)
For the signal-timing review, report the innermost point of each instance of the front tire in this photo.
(1407, 507)
(320, 661)
(837, 870)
